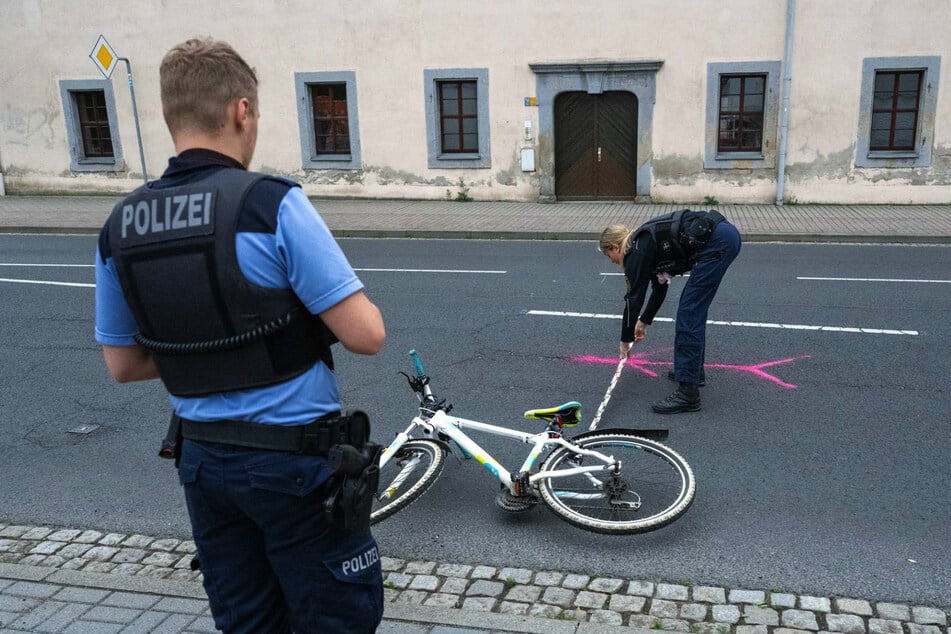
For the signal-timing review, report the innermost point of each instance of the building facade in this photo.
(662, 100)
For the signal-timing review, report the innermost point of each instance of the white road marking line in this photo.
(871, 279)
(433, 271)
(4, 279)
(745, 324)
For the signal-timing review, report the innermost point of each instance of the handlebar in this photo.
(420, 385)
(417, 363)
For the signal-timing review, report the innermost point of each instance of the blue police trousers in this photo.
(271, 561)
(705, 277)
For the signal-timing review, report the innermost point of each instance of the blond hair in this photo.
(615, 236)
(199, 79)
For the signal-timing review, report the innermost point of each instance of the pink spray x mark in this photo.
(643, 364)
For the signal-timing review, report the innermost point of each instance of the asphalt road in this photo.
(822, 456)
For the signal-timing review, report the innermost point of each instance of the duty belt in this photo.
(312, 439)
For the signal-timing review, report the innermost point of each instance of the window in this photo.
(457, 117)
(742, 115)
(328, 118)
(897, 111)
(94, 123)
(91, 130)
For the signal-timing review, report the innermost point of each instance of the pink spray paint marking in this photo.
(640, 362)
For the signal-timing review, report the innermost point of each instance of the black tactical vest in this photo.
(208, 328)
(675, 249)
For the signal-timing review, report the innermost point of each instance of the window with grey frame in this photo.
(741, 113)
(328, 120)
(92, 130)
(897, 111)
(457, 117)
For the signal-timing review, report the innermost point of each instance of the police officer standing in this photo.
(228, 286)
(704, 244)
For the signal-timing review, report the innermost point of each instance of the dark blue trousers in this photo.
(271, 561)
(705, 277)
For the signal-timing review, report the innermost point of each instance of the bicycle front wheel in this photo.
(651, 487)
(407, 476)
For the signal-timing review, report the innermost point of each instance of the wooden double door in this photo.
(595, 146)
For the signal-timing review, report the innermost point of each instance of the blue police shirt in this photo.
(282, 242)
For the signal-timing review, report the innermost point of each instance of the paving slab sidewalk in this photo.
(929, 224)
(89, 582)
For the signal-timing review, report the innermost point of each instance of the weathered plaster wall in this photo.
(388, 45)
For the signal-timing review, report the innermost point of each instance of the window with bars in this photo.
(895, 104)
(331, 118)
(458, 116)
(742, 100)
(92, 131)
(328, 119)
(93, 123)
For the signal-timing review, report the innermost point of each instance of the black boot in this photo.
(703, 377)
(685, 398)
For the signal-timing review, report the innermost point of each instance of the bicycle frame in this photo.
(442, 424)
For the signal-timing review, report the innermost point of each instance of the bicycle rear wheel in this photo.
(407, 476)
(651, 488)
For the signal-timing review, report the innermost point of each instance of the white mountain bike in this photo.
(614, 481)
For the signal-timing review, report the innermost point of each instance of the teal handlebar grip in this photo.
(417, 363)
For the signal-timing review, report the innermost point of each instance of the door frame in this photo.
(552, 78)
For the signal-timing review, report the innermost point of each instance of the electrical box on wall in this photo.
(528, 159)
(528, 129)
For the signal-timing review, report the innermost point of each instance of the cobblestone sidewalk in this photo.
(546, 594)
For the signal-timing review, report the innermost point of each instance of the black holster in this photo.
(354, 485)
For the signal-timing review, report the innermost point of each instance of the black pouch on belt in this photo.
(355, 481)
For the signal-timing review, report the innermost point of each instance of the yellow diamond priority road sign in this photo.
(104, 57)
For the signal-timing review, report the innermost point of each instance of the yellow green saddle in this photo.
(569, 414)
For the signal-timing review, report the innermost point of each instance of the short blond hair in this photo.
(615, 236)
(199, 79)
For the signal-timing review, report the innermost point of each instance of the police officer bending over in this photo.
(704, 244)
(228, 286)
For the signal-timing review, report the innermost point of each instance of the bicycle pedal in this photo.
(514, 503)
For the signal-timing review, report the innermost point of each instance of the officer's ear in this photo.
(244, 112)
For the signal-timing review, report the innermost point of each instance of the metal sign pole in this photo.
(135, 115)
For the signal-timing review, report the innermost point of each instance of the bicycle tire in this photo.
(393, 496)
(665, 485)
